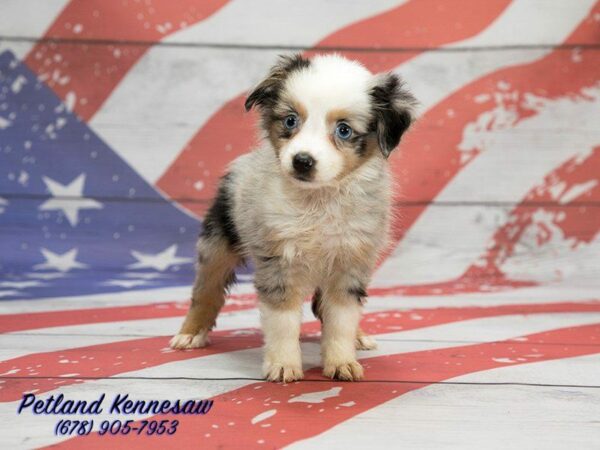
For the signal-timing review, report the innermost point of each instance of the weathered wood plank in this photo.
(288, 25)
(243, 367)
(445, 416)
(534, 244)
(178, 90)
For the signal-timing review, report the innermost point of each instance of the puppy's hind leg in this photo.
(216, 264)
(363, 341)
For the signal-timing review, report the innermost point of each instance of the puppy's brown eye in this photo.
(291, 121)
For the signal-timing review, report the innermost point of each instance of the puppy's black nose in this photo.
(303, 163)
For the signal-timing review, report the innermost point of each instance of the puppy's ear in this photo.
(393, 110)
(266, 93)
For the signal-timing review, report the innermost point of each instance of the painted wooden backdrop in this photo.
(118, 116)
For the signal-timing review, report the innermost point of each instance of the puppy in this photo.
(310, 207)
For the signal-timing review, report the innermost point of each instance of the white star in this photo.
(69, 199)
(3, 204)
(20, 284)
(62, 263)
(161, 261)
(125, 283)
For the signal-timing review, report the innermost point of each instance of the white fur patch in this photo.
(283, 361)
(340, 325)
(185, 341)
(330, 83)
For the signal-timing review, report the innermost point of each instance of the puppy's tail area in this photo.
(363, 341)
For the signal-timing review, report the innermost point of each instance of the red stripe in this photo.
(430, 158)
(577, 225)
(31, 321)
(229, 133)
(91, 71)
(126, 356)
(402, 373)
(464, 285)
(109, 360)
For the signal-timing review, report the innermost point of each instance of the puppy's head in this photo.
(325, 117)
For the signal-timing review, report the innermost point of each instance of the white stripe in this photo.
(271, 23)
(551, 293)
(491, 417)
(445, 241)
(432, 76)
(27, 18)
(128, 298)
(176, 90)
(246, 363)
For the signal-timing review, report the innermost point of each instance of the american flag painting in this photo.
(118, 117)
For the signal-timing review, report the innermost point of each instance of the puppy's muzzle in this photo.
(304, 166)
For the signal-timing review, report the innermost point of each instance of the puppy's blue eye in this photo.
(291, 121)
(343, 131)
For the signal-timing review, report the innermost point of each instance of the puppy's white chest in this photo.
(321, 234)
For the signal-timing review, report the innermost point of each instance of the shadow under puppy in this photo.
(310, 207)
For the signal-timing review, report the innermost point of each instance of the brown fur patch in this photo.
(273, 123)
(337, 115)
(360, 147)
(215, 271)
(359, 123)
(354, 157)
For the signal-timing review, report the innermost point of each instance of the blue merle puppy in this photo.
(310, 207)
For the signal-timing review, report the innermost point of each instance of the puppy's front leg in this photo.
(281, 328)
(341, 312)
(281, 316)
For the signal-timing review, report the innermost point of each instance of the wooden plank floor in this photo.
(118, 117)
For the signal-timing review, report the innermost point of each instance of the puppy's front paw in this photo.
(350, 371)
(365, 342)
(185, 341)
(286, 372)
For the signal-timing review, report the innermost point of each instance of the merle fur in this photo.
(219, 219)
(359, 292)
(270, 290)
(266, 94)
(316, 304)
(392, 112)
(359, 142)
